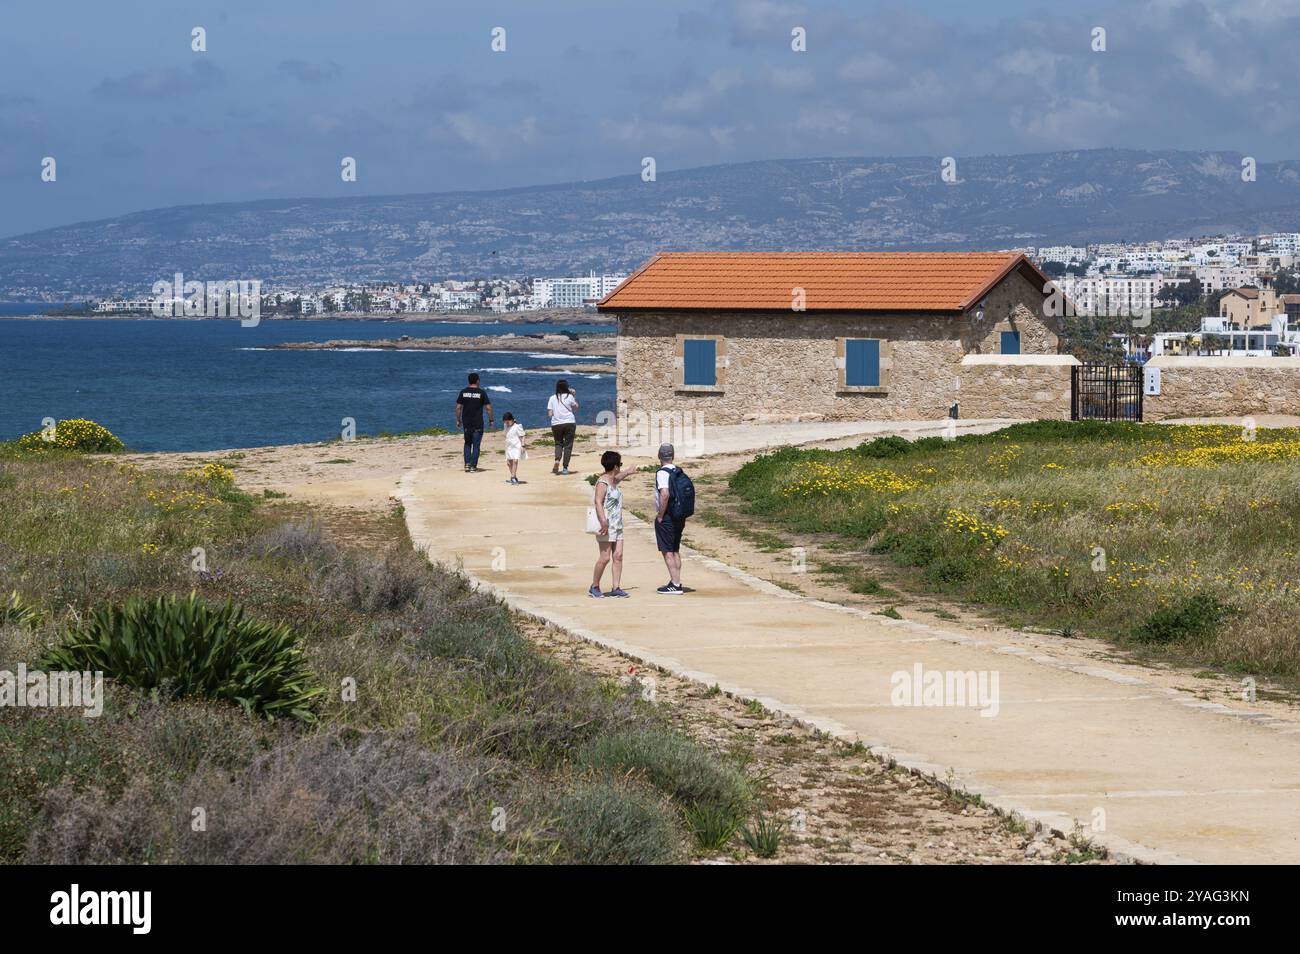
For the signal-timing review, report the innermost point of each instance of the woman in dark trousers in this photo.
(563, 424)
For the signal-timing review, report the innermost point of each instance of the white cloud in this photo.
(765, 16)
(700, 96)
(1066, 123)
(790, 79)
(643, 134)
(866, 68)
(492, 139)
(1030, 63)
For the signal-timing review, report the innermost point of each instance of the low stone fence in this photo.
(1029, 386)
(1223, 387)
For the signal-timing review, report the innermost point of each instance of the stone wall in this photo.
(1223, 387)
(782, 366)
(1027, 386)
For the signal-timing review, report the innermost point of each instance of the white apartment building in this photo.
(124, 306)
(451, 300)
(1114, 296)
(541, 292)
(1103, 249)
(573, 292)
(1061, 253)
(1219, 253)
(1270, 261)
(1146, 260)
(1281, 243)
(1217, 278)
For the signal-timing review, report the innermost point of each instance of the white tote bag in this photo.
(593, 521)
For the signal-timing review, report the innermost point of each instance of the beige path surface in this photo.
(1175, 778)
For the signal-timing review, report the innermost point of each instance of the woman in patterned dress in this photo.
(609, 511)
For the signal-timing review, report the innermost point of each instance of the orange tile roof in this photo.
(832, 281)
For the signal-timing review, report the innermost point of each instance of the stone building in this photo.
(750, 336)
(1248, 308)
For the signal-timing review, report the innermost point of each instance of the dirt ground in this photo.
(851, 807)
(839, 804)
(738, 540)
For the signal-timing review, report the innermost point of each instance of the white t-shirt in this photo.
(560, 407)
(662, 476)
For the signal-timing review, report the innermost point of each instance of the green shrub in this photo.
(951, 570)
(61, 749)
(712, 826)
(185, 647)
(295, 543)
(328, 797)
(76, 434)
(612, 823)
(884, 448)
(18, 612)
(1198, 615)
(764, 837)
(689, 774)
(909, 549)
(867, 586)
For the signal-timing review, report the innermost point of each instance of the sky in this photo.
(135, 118)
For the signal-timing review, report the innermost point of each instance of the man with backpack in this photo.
(674, 502)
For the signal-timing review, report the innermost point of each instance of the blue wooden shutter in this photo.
(700, 362)
(862, 363)
(1011, 342)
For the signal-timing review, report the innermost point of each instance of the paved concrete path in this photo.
(1178, 779)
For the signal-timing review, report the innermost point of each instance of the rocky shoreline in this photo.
(586, 346)
(541, 317)
(588, 368)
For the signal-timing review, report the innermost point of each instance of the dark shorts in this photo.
(668, 534)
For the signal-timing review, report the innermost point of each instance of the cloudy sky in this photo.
(413, 90)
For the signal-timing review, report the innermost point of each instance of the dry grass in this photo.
(444, 735)
(1179, 541)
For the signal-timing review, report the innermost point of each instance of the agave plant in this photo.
(712, 825)
(764, 837)
(189, 648)
(16, 611)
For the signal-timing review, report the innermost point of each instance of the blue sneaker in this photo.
(595, 593)
(619, 592)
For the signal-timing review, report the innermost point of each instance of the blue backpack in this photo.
(681, 494)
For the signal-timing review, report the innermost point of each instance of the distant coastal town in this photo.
(449, 297)
(1109, 277)
(1137, 277)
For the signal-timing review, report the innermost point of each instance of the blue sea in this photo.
(164, 385)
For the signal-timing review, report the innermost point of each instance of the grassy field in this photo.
(363, 705)
(1180, 541)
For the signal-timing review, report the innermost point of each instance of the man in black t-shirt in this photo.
(470, 404)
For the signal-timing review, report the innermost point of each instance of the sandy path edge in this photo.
(424, 536)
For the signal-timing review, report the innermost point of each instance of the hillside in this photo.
(850, 203)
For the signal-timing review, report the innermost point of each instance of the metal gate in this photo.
(1106, 392)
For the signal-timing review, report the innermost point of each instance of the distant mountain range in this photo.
(615, 224)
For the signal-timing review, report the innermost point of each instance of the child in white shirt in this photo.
(515, 450)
